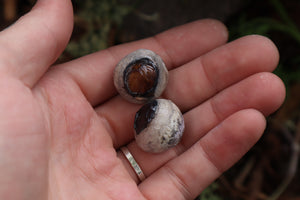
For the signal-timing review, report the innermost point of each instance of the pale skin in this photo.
(61, 127)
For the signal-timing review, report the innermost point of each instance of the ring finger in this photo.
(263, 91)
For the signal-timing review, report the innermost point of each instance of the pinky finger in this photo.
(187, 175)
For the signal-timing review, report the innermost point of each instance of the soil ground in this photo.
(272, 165)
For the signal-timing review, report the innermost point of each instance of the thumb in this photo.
(36, 40)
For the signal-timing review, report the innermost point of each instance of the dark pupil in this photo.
(144, 116)
(141, 78)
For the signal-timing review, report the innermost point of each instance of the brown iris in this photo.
(144, 116)
(141, 77)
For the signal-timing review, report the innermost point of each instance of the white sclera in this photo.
(137, 55)
(164, 130)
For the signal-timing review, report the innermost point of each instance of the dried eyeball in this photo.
(141, 76)
(158, 126)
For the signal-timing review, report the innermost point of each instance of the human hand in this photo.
(61, 127)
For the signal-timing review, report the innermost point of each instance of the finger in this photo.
(35, 41)
(199, 80)
(263, 92)
(209, 74)
(187, 175)
(176, 46)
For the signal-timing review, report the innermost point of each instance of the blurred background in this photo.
(270, 170)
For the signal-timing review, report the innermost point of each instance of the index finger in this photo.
(93, 73)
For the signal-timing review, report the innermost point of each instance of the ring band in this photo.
(133, 163)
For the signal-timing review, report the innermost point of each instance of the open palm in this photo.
(61, 127)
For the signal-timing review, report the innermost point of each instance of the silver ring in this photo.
(133, 163)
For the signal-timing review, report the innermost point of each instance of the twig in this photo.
(293, 164)
(148, 17)
(238, 182)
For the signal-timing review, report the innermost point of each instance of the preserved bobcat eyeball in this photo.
(140, 76)
(158, 126)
